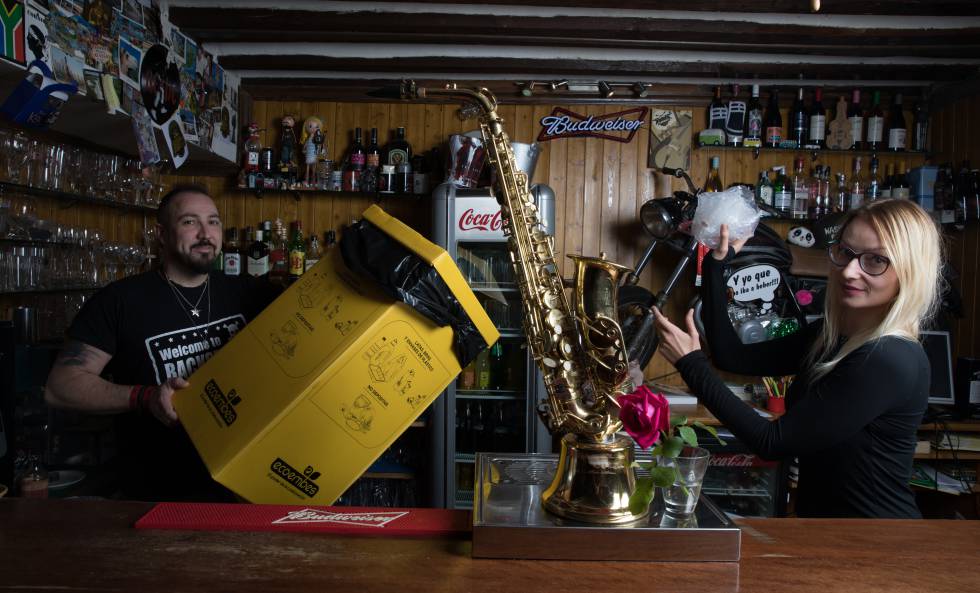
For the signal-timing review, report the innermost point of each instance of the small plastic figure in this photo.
(288, 142)
(312, 141)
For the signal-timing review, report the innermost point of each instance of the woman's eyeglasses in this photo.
(872, 263)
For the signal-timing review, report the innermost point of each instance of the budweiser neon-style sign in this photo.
(620, 126)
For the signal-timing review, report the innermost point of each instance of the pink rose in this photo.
(644, 414)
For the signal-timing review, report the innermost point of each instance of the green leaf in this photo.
(690, 437)
(672, 447)
(657, 451)
(678, 420)
(662, 476)
(642, 496)
(711, 430)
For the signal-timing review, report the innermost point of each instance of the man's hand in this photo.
(721, 252)
(675, 343)
(159, 400)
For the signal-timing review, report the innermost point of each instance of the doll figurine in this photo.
(312, 141)
(288, 142)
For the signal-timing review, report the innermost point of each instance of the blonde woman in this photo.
(862, 378)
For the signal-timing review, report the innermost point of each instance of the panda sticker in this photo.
(801, 236)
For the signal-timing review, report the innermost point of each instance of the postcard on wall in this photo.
(173, 134)
(146, 140)
(129, 63)
(670, 138)
(93, 84)
(190, 125)
(36, 28)
(12, 31)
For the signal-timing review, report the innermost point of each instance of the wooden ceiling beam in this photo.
(592, 68)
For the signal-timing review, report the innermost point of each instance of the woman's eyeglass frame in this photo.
(865, 259)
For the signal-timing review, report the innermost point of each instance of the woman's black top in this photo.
(853, 430)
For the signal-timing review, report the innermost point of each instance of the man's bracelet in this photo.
(139, 395)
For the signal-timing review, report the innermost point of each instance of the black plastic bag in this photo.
(407, 277)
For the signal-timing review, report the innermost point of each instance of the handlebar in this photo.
(681, 174)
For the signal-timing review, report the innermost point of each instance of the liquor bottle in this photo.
(900, 185)
(355, 164)
(278, 254)
(798, 120)
(313, 252)
(372, 164)
(886, 182)
(483, 370)
(855, 116)
(818, 120)
(479, 430)
(842, 195)
(825, 190)
(258, 256)
(502, 441)
(773, 123)
(714, 177)
(717, 112)
(331, 241)
(232, 254)
(896, 125)
(753, 120)
(872, 190)
(876, 123)
(499, 371)
(297, 252)
(920, 129)
(464, 430)
(253, 146)
(801, 190)
(763, 190)
(817, 197)
(940, 190)
(735, 122)
(398, 154)
(856, 193)
(781, 191)
(467, 378)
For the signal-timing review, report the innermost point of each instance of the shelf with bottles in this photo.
(489, 426)
(298, 192)
(489, 394)
(814, 152)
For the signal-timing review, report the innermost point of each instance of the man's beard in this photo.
(196, 262)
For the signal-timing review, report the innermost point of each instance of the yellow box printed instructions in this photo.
(304, 398)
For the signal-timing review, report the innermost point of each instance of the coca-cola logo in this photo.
(739, 460)
(479, 221)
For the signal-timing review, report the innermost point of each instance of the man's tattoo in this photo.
(73, 354)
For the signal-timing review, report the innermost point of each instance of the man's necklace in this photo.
(193, 310)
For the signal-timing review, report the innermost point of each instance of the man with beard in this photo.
(135, 341)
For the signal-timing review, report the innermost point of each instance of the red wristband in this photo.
(134, 398)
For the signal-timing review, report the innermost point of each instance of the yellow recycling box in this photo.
(311, 392)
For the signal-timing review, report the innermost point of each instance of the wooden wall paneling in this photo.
(610, 226)
(274, 112)
(591, 189)
(542, 172)
(343, 137)
(632, 166)
(321, 205)
(558, 169)
(574, 201)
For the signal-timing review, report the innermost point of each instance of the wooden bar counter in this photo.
(81, 546)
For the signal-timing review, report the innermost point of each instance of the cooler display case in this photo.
(742, 483)
(491, 407)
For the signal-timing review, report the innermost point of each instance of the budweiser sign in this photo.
(620, 126)
(471, 220)
(365, 519)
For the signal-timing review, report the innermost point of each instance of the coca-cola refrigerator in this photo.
(741, 482)
(491, 407)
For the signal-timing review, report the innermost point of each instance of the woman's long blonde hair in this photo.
(912, 243)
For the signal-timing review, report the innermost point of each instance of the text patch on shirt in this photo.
(179, 353)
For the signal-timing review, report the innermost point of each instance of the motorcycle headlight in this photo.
(657, 217)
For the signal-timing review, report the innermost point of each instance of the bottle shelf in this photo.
(72, 199)
(487, 394)
(51, 290)
(297, 192)
(813, 151)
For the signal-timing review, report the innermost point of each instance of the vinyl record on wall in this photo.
(159, 84)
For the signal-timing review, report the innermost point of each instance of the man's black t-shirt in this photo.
(152, 336)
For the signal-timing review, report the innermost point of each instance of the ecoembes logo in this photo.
(470, 221)
(303, 482)
(364, 519)
(223, 404)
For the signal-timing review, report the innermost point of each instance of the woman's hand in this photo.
(721, 252)
(675, 343)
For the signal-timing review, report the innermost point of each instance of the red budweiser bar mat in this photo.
(346, 520)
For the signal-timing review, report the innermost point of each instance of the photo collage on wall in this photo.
(127, 54)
